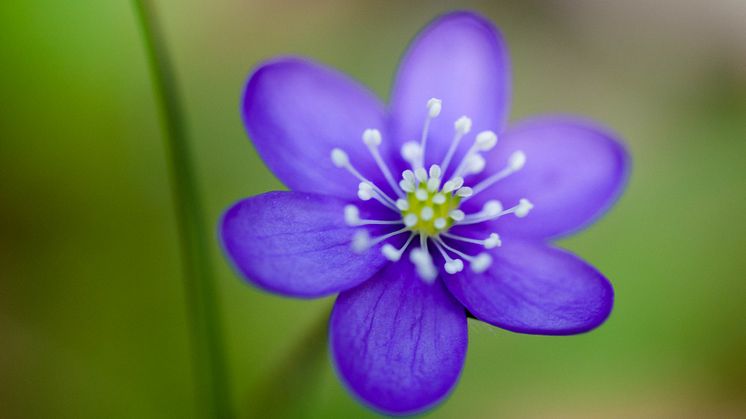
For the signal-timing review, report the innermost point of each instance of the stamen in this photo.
(451, 266)
(493, 210)
(478, 263)
(433, 110)
(342, 160)
(372, 138)
(484, 141)
(402, 204)
(435, 171)
(421, 195)
(462, 126)
(427, 213)
(516, 161)
(422, 260)
(440, 223)
(453, 184)
(489, 243)
(457, 215)
(352, 218)
(439, 199)
(433, 184)
(410, 220)
(392, 253)
(464, 192)
(367, 191)
(411, 153)
(362, 241)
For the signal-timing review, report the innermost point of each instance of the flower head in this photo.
(421, 211)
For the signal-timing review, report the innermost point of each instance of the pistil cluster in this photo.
(427, 204)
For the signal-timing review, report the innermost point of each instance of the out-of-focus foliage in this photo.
(92, 312)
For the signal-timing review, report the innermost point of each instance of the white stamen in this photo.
(362, 241)
(365, 191)
(523, 208)
(480, 263)
(433, 184)
(340, 158)
(492, 208)
(457, 215)
(372, 138)
(439, 199)
(421, 174)
(485, 140)
(424, 264)
(433, 110)
(411, 153)
(464, 192)
(453, 184)
(433, 107)
(452, 265)
(516, 161)
(392, 253)
(489, 243)
(407, 185)
(409, 176)
(462, 126)
(410, 220)
(440, 223)
(475, 164)
(352, 215)
(492, 241)
(435, 171)
(421, 195)
(402, 204)
(427, 213)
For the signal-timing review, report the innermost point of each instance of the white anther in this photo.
(517, 160)
(492, 241)
(453, 184)
(454, 266)
(421, 195)
(475, 164)
(365, 191)
(435, 171)
(427, 213)
(372, 137)
(492, 208)
(523, 208)
(352, 215)
(464, 192)
(410, 220)
(439, 199)
(360, 241)
(433, 107)
(462, 125)
(421, 174)
(433, 184)
(408, 175)
(440, 223)
(406, 185)
(486, 140)
(411, 152)
(340, 158)
(402, 204)
(457, 215)
(481, 262)
(424, 264)
(390, 252)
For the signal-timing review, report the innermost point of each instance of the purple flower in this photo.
(439, 210)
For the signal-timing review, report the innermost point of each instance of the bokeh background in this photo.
(93, 319)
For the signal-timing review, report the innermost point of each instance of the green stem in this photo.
(212, 389)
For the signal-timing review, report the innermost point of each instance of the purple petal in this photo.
(397, 342)
(537, 289)
(295, 244)
(460, 58)
(574, 171)
(297, 111)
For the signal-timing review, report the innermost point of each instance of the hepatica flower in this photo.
(422, 212)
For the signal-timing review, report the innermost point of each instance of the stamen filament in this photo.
(372, 139)
(462, 127)
(515, 163)
(393, 254)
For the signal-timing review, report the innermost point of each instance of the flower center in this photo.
(427, 206)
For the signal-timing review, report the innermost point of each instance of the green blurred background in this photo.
(93, 319)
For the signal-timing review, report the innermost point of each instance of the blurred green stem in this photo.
(212, 389)
(290, 387)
